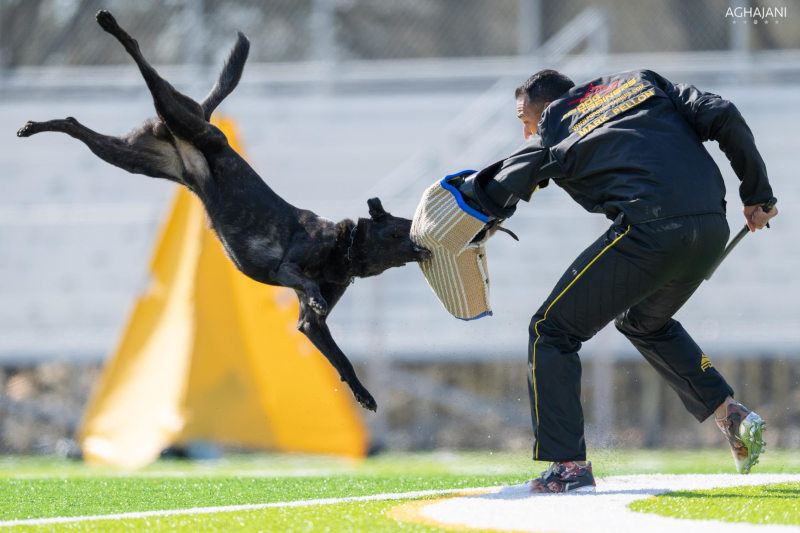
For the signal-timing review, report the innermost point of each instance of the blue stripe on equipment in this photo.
(485, 313)
(459, 198)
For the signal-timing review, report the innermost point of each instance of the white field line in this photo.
(606, 511)
(247, 507)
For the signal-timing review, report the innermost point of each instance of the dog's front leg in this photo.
(316, 329)
(114, 150)
(290, 275)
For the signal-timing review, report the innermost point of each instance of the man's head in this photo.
(536, 93)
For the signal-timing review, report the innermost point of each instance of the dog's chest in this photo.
(264, 250)
(256, 255)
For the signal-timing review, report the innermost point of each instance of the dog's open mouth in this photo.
(423, 253)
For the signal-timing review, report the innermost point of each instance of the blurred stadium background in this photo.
(343, 100)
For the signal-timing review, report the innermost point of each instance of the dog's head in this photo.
(385, 241)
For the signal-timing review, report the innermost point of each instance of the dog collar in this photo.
(352, 241)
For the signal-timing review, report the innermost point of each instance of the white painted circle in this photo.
(605, 511)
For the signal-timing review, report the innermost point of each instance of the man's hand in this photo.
(756, 217)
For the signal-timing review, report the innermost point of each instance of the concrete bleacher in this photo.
(77, 233)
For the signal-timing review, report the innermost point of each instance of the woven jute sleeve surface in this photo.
(457, 272)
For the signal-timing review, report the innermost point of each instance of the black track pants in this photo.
(638, 276)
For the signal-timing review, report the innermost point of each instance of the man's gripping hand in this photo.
(756, 217)
(490, 199)
(478, 199)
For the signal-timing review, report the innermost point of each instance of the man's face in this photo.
(529, 114)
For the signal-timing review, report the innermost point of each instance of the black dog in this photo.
(267, 238)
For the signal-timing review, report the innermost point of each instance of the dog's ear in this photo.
(376, 210)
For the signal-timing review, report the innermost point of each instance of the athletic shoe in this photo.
(744, 430)
(565, 477)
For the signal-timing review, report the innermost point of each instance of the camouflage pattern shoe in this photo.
(744, 430)
(565, 477)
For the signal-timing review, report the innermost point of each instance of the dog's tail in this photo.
(229, 77)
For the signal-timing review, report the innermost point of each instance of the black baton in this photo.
(767, 207)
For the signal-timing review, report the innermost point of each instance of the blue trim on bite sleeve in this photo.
(459, 198)
(485, 313)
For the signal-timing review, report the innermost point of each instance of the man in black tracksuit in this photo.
(628, 145)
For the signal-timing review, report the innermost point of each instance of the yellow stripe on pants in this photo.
(536, 330)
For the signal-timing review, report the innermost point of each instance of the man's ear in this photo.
(376, 210)
(542, 108)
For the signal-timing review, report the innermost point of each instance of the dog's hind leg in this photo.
(316, 329)
(182, 115)
(120, 152)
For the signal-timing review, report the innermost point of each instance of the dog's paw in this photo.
(366, 400)
(27, 130)
(106, 20)
(362, 394)
(319, 305)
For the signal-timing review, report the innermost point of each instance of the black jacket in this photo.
(630, 145)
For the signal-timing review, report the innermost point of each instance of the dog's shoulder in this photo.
(339, 264)
(345, 231)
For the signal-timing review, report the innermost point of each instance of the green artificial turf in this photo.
(45, 487)
(355, 517)
(39, 498)
(769, 504)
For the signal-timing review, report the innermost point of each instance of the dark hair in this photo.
(545, 86)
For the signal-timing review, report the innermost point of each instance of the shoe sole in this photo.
(588, 489)
(751, 432)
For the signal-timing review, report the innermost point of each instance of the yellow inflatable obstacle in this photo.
(211, 354)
